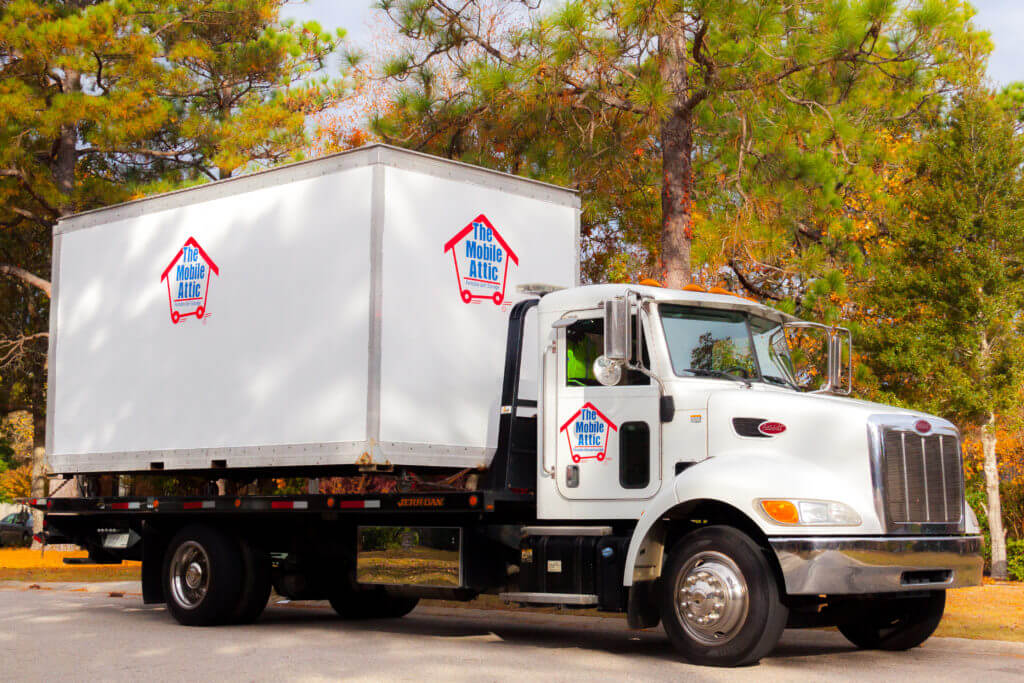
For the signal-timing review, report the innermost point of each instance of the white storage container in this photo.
(349, 308)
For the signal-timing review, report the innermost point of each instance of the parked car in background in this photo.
(16, 529)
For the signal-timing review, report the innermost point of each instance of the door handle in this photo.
(550, 471)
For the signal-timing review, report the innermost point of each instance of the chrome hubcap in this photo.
(190, 574)
(711, 598)
(194, 575)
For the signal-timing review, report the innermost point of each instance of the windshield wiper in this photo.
(722, 374)
(782, 381)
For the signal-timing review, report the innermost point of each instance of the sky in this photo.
(1003, 18)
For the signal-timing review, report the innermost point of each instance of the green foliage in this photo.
(6, 455)
(949, 291)
(788, 105)
(1015, 560)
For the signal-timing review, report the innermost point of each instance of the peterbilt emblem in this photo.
(923, 426)
(771, 428)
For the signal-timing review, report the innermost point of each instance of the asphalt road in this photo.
(62, 634)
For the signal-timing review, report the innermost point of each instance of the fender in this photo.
(738, 480)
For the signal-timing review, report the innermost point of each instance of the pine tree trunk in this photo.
(676, 200)
(995, 509)
(66, 162)
(677, 168)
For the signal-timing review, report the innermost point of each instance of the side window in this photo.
(584, 343)
(634, 455)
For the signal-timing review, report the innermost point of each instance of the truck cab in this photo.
(682, 412)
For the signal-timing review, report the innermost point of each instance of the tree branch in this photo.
(750, 286)
(10, 349)
(25, 276)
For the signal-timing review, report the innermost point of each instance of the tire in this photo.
(202, 574)
(896, 623)
(731, 614)
(370, 604)
(255, 588)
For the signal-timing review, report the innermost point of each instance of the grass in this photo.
(993, 611)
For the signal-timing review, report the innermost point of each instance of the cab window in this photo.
(584, 343)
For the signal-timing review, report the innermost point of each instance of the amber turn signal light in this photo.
(782, 511)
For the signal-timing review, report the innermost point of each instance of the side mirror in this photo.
(617, 332)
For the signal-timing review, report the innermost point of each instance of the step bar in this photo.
(576, 600)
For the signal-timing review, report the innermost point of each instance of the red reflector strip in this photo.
(289, 505)
(193, 505)
(119, 506)
(359, 504)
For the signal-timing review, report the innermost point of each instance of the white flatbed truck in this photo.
(368, 317)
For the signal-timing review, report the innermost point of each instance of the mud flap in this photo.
(643, 609)
(153, 548)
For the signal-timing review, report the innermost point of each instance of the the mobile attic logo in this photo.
(188, 281)
(587, 432)
(481, 259)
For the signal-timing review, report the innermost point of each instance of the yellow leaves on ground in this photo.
(992, 611)
(25, 558)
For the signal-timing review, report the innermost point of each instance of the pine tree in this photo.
(709, 133)
(949, 292)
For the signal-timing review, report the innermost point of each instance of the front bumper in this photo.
(847, 565)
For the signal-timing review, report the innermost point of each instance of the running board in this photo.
(567, 531)
(549, 598)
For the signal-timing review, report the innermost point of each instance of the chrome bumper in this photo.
(825, 565)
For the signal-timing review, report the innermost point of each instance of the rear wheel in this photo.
(897, 623)
(720, 603)
(202, 573)
(255, 589)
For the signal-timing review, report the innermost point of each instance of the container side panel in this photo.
(454, 254)
(239, 321)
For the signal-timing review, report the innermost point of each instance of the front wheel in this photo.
(720, 603)
(897, 623)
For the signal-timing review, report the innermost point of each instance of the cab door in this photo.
(608, 441)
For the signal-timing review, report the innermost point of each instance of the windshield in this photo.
(705, 342)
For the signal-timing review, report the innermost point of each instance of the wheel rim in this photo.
(190, 574)
(711, 598)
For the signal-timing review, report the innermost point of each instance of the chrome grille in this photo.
(922, 477)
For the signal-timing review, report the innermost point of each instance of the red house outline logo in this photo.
(192, 279)
(590, 442)
(485, 265)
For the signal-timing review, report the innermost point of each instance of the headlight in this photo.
(808, 512)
